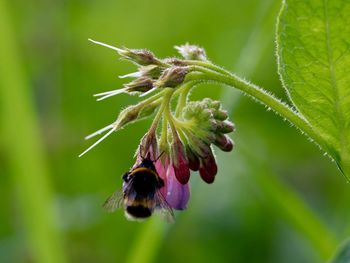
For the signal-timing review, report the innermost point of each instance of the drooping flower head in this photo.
(181, 138)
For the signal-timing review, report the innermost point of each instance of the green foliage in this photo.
(343, 255)
(314, 60)
(26, 153)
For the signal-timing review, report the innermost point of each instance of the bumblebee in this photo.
(140, 195)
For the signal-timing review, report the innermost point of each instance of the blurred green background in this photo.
(276, 198)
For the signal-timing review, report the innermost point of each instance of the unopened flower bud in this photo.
(181, 169)
(212, 104)
(197, 110)
(199, 147)
(191, 52)
(208, 168)
(193, 161)
(141, 84)
(172, 77)
(148, 147)
(141, 57)
(220, 115)
(224, 142)
(224, 127)
(127, 116)
(148, 109)
(151, 71)
(134, 112)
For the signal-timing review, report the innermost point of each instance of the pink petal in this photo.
(177, 194)
(182, 171)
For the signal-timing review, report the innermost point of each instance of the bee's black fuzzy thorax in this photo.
(144, 183)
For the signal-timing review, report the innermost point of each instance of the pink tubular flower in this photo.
(175, 193)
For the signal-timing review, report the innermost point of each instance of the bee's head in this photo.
(148, 163)
(146, 155)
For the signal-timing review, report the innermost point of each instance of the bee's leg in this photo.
(126, 177)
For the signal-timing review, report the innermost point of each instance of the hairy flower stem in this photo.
(167, 114)
(183, 98)
(214, 73)
(163, 143)
(156, 120)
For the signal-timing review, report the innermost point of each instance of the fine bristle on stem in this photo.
(106, 45)
(99, 131)
(107, 94)
(98, 141)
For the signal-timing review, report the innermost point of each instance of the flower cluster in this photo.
(180, 138)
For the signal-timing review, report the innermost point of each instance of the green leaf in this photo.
(343, 254)
(313, 48)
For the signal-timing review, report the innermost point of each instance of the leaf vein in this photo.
(339, 117)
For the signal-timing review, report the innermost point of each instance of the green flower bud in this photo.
(135, 112)
(220, 115)
(212, 104)
(196, 110)
(127, 116)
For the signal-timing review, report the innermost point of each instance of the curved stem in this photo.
(164, 135)
(157, 118)
(261, 96)
(207, 65)
(153, 98)
(183, 98)
(165, 107)
(168, 114)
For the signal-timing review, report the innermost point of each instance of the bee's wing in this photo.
(114, 201)
(164, 209)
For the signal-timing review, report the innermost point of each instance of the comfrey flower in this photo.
(180, 138)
